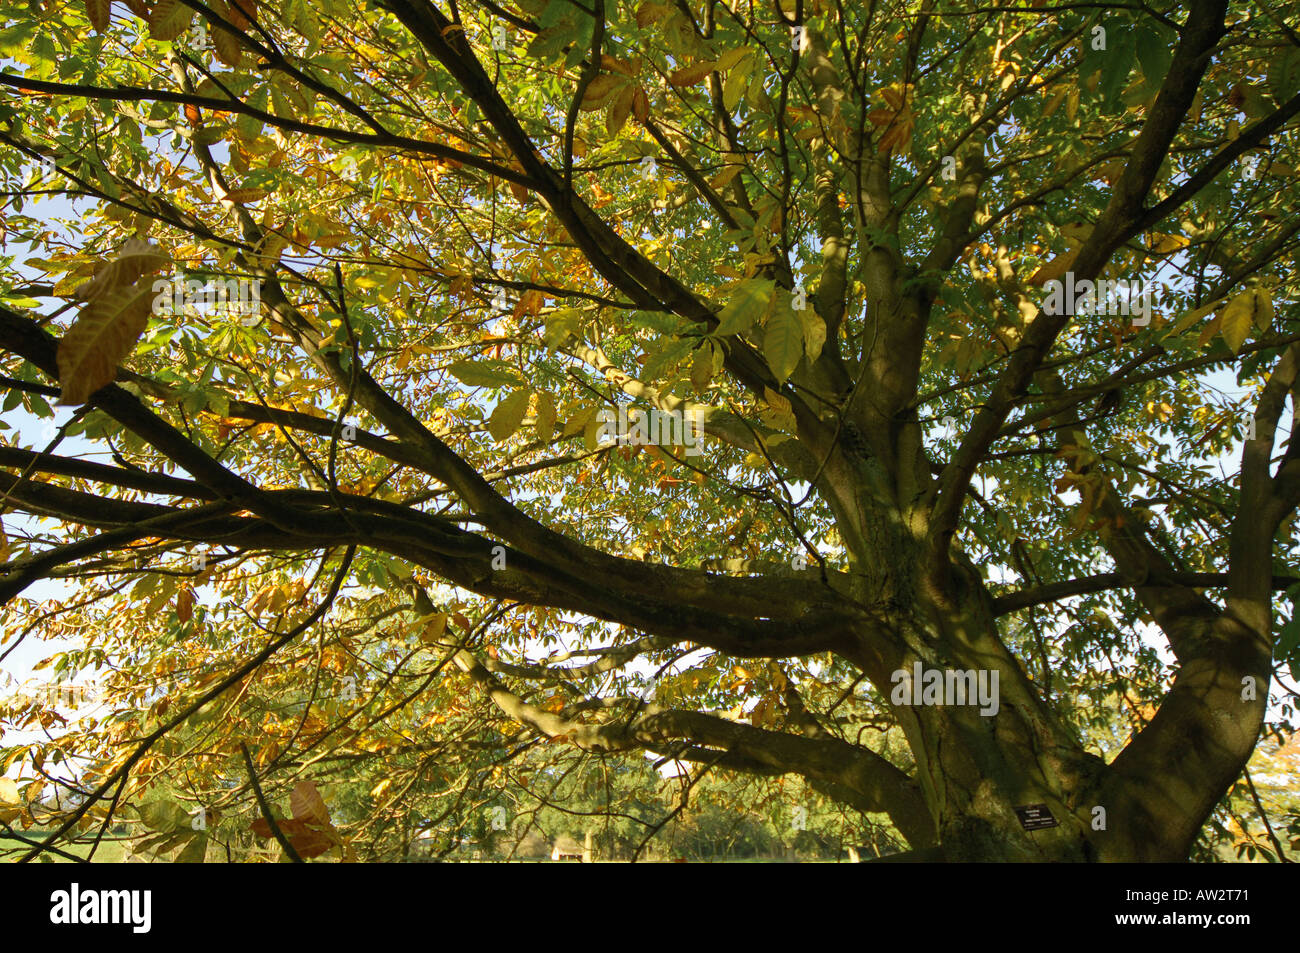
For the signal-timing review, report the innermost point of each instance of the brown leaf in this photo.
(242, 13)
(640, 105)
(185, 604)
(599, 90)
(619, 109)
(102, 336)
(308, 838)
(690, 75)
(244, 196)
(307, 805)
(260, 600)
(228, 47)
(97, 11)
(608, 62)
(312, 843)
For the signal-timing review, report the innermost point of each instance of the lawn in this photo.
(110, 851)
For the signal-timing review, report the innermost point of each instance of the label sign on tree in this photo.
(1035, 817)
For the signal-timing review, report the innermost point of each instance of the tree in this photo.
(416, 491)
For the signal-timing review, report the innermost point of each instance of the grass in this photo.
(109, 852)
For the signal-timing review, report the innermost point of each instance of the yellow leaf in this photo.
(1263, 309)
(546, 415)
(648, 13)
(1165, 244)
(781, 415)
(1054, 269)
(102, 336)
(434, 626)
(577, 423)
(508, 415)
(1055, 101)
(169, 19)
(135, 259)
(702, 368)
(260, 599)
(814, 333)
(1191, 317)
(1211, 329)
(1249, 309)
(783, 341)
(730, 58)
(726, 175)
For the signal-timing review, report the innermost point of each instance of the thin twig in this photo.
(278, 834)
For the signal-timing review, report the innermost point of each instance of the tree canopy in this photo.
(423, 414)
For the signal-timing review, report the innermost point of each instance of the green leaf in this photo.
(750, 299)
(559, 325)
(164, 816)
(219, 403)
(485, 373)
(195, 851)
(783, 341)
(15, 39)
(1154, 54)
(734, 85)
(509, 414)
(548, 43)
(250, 127)
(1116, 67)
(1288, 638)
(43, 49)
(702, 367)
(667, 355)
(1284, 75)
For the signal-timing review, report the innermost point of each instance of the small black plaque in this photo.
(1035, 817)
